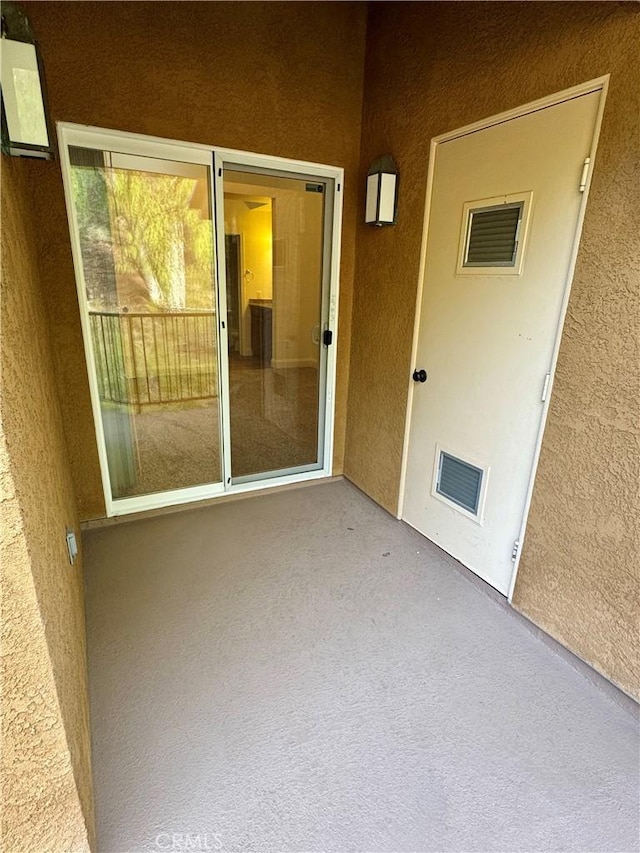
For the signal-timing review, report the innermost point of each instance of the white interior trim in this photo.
(600, 84)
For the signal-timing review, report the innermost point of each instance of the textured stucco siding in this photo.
(274, 78)
(429, 69)
(47, 791)
(579, 575)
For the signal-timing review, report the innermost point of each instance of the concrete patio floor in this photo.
(298, 671)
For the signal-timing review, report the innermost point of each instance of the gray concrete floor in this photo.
(300, 672)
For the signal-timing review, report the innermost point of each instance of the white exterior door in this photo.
(505, 210)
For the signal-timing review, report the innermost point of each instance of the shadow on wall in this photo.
(47, 792)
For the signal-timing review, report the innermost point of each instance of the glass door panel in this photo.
(275, 268)
(145, 231)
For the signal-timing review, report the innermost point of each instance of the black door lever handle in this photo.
(419, 375)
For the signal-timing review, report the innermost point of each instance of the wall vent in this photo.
(459, 482)
(492, 236)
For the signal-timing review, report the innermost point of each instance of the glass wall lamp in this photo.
(382, 192)
(26, 130)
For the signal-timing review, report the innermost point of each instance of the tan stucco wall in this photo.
(46, 772)
(274, 78)
(432, 67)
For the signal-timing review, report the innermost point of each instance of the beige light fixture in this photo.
(25, 124)
(382, 192)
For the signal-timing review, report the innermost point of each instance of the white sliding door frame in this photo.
(214, 158)
(241, 161)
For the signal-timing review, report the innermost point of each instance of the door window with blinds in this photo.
(493, 235)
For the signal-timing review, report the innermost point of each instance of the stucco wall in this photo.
(431, 68)
(47, 794)
(274, 78)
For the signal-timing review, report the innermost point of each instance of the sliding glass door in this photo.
(276, 316)
(145, 231)
(205, 299)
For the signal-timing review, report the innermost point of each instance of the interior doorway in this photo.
(207, 283)
(505, 210)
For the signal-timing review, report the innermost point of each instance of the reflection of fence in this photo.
(147, 359)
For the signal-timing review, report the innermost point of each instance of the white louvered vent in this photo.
(459, 482)
(492, 236)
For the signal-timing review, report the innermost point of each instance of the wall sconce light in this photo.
(26, 131)
(382, 192)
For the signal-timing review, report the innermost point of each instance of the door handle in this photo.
(419, 375)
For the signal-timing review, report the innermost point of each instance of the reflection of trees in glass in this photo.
(94, 227)
(154, 233)
(159, 236)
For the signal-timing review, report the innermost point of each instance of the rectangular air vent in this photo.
(459, 482)
(492, 236)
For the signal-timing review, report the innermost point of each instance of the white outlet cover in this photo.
(72, 546)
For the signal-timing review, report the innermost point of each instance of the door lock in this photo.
(419, 375)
